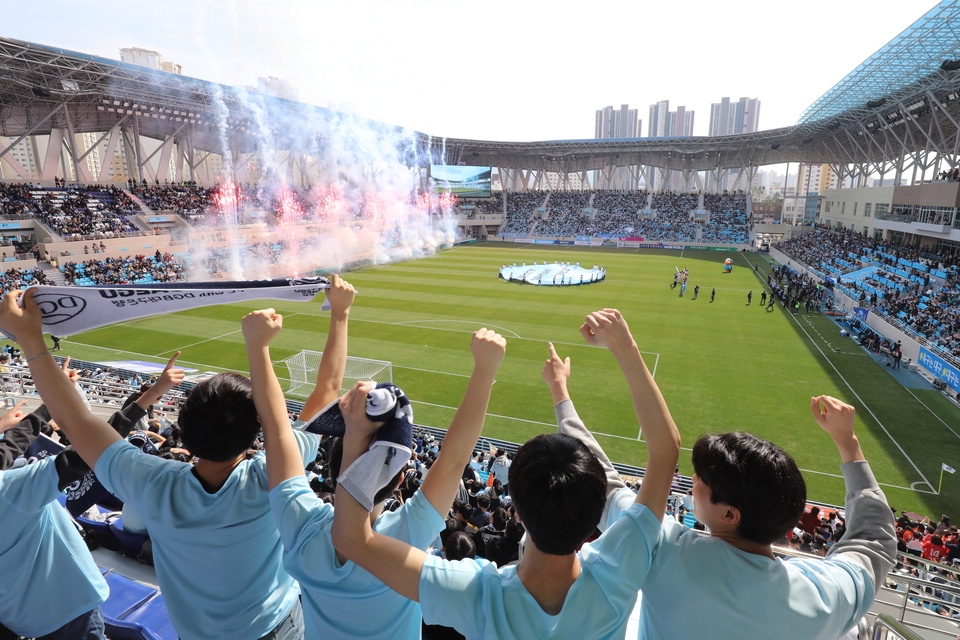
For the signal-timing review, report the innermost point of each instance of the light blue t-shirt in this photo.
(218, 555)
(795, 599)
(48, 575)
(343, 600)
(480, 601)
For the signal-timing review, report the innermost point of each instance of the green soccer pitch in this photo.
(721, 365)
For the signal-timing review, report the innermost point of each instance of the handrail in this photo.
(919, 603)
(887, 628)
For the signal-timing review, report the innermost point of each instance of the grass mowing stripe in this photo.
(866, 406)
(721, 366)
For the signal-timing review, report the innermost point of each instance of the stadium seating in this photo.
(126, 595)
(149, 621)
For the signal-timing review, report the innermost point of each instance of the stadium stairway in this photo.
(53, 274)
(144, 209)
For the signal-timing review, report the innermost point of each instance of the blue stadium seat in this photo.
(99, 530)
(147, 622)
(130, 542)
(126, 595)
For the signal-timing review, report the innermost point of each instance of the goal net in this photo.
(303, 368)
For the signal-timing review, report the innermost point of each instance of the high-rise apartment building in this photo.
(728, 118)
(24, 154)
(617, 123)
(816, 178)
(658, 124)
(680, 123)
(669, 124)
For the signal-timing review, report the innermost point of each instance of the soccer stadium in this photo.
(149, 213)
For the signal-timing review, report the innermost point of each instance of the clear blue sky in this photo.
(527, 70)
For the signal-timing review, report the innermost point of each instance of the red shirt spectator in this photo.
(934, 549)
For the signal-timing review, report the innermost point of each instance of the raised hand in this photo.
(353, 405)
(488, 348)
(171, 375)
(72, 374)
(13, 417)
(836, 418)
(260, 327)
(22, 323)
(607, 328)
(340, 295)
(555, 373)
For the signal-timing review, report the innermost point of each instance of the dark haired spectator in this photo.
(202, 518)
(335, 592)
(558, 489)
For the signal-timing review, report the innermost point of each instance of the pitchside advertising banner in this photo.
(940, 368)
(70, 310)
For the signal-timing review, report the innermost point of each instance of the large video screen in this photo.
(462, 181)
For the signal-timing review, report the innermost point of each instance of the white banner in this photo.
(71, 310)
(947, 468)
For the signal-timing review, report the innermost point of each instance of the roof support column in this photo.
(53, 157)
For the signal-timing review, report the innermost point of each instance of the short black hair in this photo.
(755, 476)
(218, 420)
(499, 518)
(559, 490)
(514, 531)
(336, 459)
(460, 545)
(463, 509)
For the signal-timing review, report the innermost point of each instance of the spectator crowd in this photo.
(913, 298)
(661, 216)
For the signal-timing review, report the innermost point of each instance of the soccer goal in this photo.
(304, 365)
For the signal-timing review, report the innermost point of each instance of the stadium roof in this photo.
(915, 56)
(44, 88)
(898, 109)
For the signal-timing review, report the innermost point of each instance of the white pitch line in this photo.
(883, 484)
(416, 323)
(862, 403)
(443, 373)
(223, 335)
(925, 406)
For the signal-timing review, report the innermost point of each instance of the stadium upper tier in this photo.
(902, 69)
(900, 103)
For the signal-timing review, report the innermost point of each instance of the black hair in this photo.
(560, 491)
(460, 545)
(336, 459)
(756, 477)
(218, 420)
(464, 510)
(499, 518)
(451, 525)
(514, 530)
